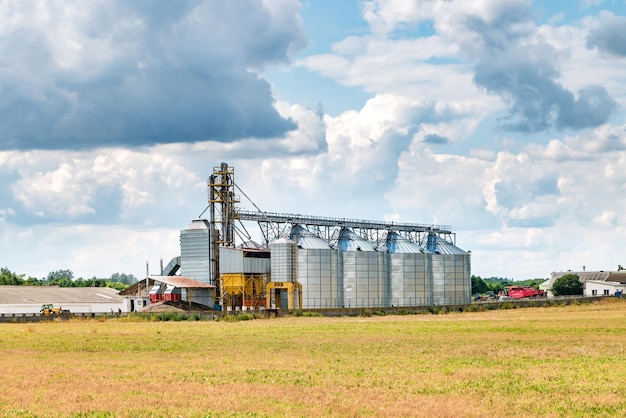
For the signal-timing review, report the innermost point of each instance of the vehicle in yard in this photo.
(520, 292)
(49, 309)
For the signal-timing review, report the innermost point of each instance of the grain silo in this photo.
(452, 284)
(283, 260)
(195, 251)
(283, 291)
(410, 272)
(365, 281)
(319, 270)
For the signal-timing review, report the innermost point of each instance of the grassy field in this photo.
(556, 361)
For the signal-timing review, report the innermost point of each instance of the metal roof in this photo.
(198, 224)
(307, 239)
(181, 281)
(438, 245)
(139, 288)
(57, 295)
(350, 241)
(396, 243)
(587, 276)
(617, 276)
(249, 245)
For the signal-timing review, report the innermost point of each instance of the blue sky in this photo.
(505, 119)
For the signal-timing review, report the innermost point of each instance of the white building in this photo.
(595, 283)
(600, 288)
(78, 300)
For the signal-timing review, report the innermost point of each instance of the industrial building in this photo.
(155, 289)
(78, 300)
(595, 283)
(313, 262)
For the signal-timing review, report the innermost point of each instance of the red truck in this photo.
(520, 292)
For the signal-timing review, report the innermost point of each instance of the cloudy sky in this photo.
(505, 119)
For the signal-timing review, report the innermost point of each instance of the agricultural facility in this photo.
(313, 262)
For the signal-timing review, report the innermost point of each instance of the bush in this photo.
(567, 285)
(366, 312)
(298, 313)
(239, 317)
(434, 309)
(473, 308)
(172, 316)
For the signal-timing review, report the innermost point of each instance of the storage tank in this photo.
(195, 251)
(318, 270)
(283, 260)
(365, 270)
(452, 283)
(410, 272)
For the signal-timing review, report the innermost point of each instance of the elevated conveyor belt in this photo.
(172, 267)
(293, 219)
(274, 224)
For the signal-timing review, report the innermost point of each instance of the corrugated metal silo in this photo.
(319, 270)
(452, 284)
(195, 251)
(365, 270)
(410, 275)
(283, 260)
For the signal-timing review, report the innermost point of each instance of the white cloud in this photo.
(82, 75)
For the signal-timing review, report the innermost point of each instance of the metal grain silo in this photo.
(365, 281)
(283, 260)
(318, 270)
(452, 283)
(195, 251)
(410, 272)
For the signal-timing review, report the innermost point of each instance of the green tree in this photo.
(495, 287)
(568, 284)
(60, 275)
(63, 282)
(8, 278)
(478, 285)
(123, 278)
(117, 285)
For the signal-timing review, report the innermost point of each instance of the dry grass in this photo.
(558, 361)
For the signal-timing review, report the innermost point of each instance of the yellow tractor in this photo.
(50, 309)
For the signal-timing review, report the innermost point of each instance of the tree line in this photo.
(497, 284)
(65, 278)
(568, 284)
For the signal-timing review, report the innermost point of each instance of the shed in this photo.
(137, 296)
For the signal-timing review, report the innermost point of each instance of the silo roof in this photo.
(198, 224)
(396, 243)
(439, 245)
(306, 239)
(350, 241)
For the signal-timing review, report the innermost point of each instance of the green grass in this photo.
(552, 361)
